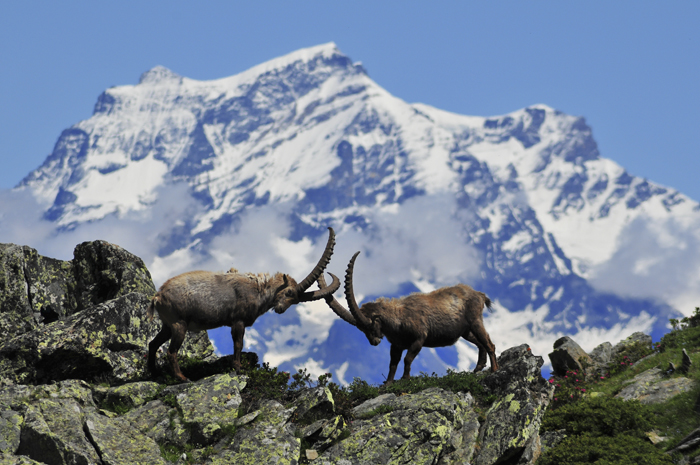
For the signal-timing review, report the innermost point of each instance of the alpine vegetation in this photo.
(436, 319)
(202, 300)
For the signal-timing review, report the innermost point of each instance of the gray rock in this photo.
(268, 439)
(210, 404)
(568, 355)
(323, 433)
(313, 403)
(514, 419)
(635, 338)
(53, 433)
(650, 387)
(159, 422)
(129, 395)
(602, 353)
(551, 439)
(372, 404)
(117, 445)
(7, 459)
(686, 363)
(422, 428)
(10, 430)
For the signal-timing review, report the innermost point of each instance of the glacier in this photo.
(249, 170)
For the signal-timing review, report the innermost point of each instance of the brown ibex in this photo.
(435, 319)
(201, 300)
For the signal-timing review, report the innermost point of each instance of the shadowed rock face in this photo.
(78, 319)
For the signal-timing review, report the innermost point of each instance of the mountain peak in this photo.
(159, 74)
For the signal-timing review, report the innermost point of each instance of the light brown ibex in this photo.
(201, 300)
(435, 319)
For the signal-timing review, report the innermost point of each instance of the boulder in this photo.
(568, 355)
(160, 422)
(268, 439)
(79, 319)
(314, 403)
(416, 428)
(107, 340)
(209, 405)
(651, 387)
(37, 290)
(635, 338)
(513, 422)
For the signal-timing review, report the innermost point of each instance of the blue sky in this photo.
(632, 69)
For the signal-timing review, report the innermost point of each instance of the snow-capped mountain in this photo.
(250, 170)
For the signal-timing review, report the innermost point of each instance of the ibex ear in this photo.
(285, 278)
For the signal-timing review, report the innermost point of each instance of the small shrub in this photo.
(568, 388)
(604, 450)
(169, 400)
(600, 416)
(628, 356)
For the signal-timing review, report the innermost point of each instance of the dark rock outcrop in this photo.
(79, 319)
(568, 355)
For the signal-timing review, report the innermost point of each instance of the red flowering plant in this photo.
(628, 356)
(568, 388)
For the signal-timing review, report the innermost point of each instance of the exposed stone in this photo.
(323, 433)
(514, 419)
(670, 370)
(159, 422)
(314, 403)
(268, 439)
(372, 404)
(654, 438)
(421, 428)
(37, 290)
(686, 363)
(635, 338)
(601, 354)
(7, 459)
(10, 430)
(551, 439)
(568, 355)
(210, 404)
(128, 395)
(53, 433)
(650, 387)
(116, 445)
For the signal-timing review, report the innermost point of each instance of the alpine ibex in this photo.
(201, 300)
(436, 319)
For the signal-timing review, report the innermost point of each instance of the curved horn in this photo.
(320, 266)
(350, 295)
(337, 308)
(323, 292)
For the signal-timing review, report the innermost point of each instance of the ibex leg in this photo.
(484, 339)
(155, 344)
(411, 353)
(179, 332)
(395, 352)
(237, 333)
(482, 351)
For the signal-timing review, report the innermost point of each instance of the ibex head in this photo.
(370, 325)
(290, 293)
